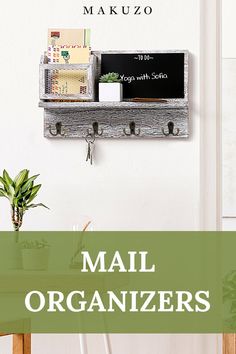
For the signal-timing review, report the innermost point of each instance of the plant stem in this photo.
(17, 219)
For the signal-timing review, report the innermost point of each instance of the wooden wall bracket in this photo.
(153, 120)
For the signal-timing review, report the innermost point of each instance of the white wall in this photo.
(229, 138)
(228, 28)
(135, 185)
(228, 119)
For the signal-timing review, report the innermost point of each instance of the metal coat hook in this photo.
(58, 131)
(90, 140)
(96, 130)
(171, 127)
(132, 130)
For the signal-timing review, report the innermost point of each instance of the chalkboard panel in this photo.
(148, 75)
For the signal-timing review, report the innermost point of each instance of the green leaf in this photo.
(21, 178)
(3, 193)
(33, 194)
(7, 178)
(15, 202)
(31, 198)
(11, 193)
(4, 184)
(27, 194)
(110, 78)
(37, 205)
(35, 189)
(28, 184)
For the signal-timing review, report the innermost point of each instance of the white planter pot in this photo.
(35, 259)
(110, 92)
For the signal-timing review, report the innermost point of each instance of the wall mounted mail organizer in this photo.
(146, 77)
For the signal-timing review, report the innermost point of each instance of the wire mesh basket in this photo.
(67, 81)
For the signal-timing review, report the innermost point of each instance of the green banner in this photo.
(117, 282)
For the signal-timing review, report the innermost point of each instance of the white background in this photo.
(134, 185)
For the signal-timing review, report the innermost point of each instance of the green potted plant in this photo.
(110, 88)
(20, 192)
(35, 254)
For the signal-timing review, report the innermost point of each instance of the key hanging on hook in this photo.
(90, 139)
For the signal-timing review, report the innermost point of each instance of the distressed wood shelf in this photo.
(174, 104)
(77, 118)
(117, 120)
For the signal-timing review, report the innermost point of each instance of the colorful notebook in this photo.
(80, 37)
(68, 54)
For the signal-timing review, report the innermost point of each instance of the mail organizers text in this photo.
(75, 82)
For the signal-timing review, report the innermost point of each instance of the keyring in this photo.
(90, 138)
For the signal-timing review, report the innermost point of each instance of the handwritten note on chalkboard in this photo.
(148, 75)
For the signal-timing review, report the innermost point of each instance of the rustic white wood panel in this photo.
(149, 123)
(229, 137)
